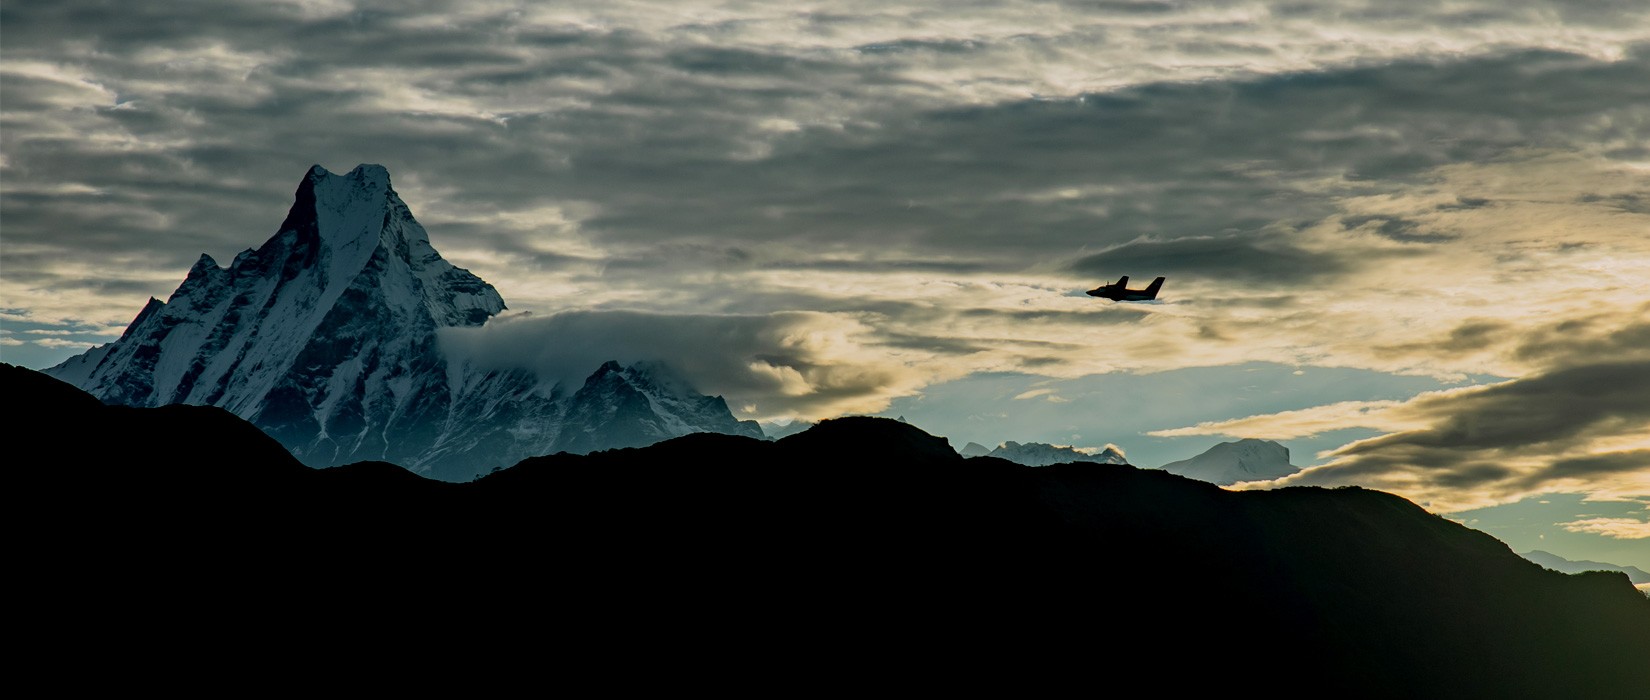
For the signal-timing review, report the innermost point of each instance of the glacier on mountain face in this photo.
(325, 337)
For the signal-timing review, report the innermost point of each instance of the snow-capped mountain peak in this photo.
(325, 337)
(1227, 463)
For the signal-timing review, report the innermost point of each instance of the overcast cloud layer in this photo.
(829, 206)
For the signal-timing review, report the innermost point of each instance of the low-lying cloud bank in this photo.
(769, 366)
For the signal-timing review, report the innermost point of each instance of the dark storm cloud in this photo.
(1194, 161)
(1211, 332)
(113, 287)
(1472, 335)
(1553, 408)
(1249, 258)
(678, 255)
(669, 256)
(680, 143)
(1632, 203)
(1422, 14)
(937, 46)
(29, 25)
(1477, 439)
(489, 236)
(1395, 228)
(940, 346)
(1605, 464)
(1128, 7)
(1596, 387)
(1464, 203)
(939, 266)
(1585, 338)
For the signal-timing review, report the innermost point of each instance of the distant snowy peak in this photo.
(1248, 459)
(639, 405)
(1039, 454)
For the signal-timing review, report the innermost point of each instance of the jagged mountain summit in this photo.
(1225, 464)
(1042, 454)
(325, 337)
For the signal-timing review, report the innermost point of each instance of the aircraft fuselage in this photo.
(1121, 292)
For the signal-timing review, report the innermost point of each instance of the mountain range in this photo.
(1639, 577)
(854, 549)
(1042, 454)
(326, 338)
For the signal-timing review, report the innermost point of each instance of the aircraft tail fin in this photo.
(1151, 292)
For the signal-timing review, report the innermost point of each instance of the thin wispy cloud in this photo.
(1620, 528)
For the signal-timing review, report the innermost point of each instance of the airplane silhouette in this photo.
(1121, 291)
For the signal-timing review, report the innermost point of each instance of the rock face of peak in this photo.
(1248, 459)
(1039, 454)
(325, 337)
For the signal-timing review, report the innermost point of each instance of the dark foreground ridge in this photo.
(858, 546)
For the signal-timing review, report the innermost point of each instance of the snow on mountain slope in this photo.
(1248, 459)
(325, 337)
(1038, 454)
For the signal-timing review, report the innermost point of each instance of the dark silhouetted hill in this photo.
(860, 548)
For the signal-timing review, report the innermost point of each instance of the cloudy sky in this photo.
(1409, 240)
